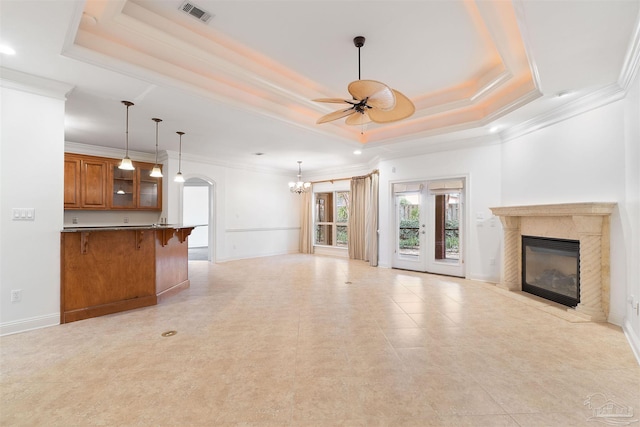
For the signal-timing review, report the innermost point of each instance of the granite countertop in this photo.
(76, 229)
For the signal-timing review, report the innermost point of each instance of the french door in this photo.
(429, 218)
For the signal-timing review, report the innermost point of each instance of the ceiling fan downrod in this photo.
(358, 41)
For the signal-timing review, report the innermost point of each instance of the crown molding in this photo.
(591, 101)
(632, 59)
(112, 153)
(17, 80)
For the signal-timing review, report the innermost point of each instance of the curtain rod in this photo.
(375, 171)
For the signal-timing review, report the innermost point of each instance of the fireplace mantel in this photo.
(586, 222)
(565, 209)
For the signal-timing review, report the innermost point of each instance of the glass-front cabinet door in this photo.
(123, 188)
(149, 188)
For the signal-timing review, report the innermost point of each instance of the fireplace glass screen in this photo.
(550, 269)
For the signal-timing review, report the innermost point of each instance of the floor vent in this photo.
(190, 9)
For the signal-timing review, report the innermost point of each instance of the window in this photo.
(331, 216)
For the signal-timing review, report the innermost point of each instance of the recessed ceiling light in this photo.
(258, 154)
(564, 93)
(357, 152)
(7, 50)
(494, 129)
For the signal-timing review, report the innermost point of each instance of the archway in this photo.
(198, 210)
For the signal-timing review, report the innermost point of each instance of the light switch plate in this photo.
(23, 214)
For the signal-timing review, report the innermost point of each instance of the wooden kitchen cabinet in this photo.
(72, 166)
(85, 182)
(122, 187)
(134, 189)
(96, 183)
(149, 188)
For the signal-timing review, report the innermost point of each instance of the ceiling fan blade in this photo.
(358, 119)
(403, 109)
(335, 115)
(333, 100)
(378, 95)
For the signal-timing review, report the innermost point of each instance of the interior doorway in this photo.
(429, 226)
(197, 210)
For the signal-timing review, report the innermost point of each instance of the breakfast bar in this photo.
(110, 269)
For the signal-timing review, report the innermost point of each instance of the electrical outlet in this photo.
(16, 295)
(74, 220)
(492, 261)
(126, 220)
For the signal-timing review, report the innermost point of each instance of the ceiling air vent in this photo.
(190, 9)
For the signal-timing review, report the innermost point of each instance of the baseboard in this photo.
(242, 257)
(487, 279)
(634, 340)
(175, 289)
(109, 308)
(29, 324)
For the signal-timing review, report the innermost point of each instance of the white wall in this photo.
(630, 213)
(481, 167)
(582, 159)
(255, 215)
(30, 250)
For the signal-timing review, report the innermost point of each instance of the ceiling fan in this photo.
(372, 101)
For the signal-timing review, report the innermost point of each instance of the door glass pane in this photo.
(447, 227)
(408, 206)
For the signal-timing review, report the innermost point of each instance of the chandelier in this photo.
(299, 186)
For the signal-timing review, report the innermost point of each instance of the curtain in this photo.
(306, 245)
(372, 229)
(363, 219)
(357, 222)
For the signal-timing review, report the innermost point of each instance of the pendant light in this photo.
(179, 177)
(156, 172)
(126, 164)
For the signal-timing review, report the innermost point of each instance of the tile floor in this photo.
(299, 340)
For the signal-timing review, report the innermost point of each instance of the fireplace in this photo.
(586, 223)
(551, 269)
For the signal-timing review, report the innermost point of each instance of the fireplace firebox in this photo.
(551, 269)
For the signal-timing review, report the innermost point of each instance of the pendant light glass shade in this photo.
(126, 164)
(179, 177)
(156, 172)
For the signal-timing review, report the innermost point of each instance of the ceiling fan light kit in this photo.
(372, 101)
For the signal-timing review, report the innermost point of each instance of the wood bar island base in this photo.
(111, 269)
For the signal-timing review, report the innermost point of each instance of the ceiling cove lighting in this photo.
(299, 186)
(126, 164)
(179, 177)
(156, 172)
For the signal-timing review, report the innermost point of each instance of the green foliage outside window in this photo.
(452, 235)
(409, 234)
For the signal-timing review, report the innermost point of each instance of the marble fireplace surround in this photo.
(585, 222)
